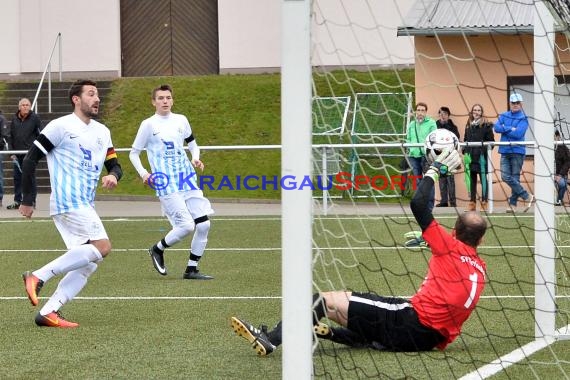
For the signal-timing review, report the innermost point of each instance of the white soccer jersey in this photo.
(164, 138)
(75, 162)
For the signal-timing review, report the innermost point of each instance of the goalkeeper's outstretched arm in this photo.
(444, 165)
(419, 204)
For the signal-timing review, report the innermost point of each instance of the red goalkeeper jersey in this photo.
(455, 280)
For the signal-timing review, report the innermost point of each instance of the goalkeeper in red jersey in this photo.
(433, 317)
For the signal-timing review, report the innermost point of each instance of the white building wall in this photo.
(361, 33)
(249, 34)
(345, 32)
(10, 36)
(90, 31)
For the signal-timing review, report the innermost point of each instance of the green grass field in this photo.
(136, 324)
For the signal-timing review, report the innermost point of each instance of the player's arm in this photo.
(38, 126)
(140, 143)
(134, 156)
(419, 203)
(39, 150)
(112, 164)
(445, 164)
(194, 151)
(113, 168)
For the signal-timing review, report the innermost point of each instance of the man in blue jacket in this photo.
(512, 126)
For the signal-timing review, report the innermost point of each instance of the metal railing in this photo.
(47, 70)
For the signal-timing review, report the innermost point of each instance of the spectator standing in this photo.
(512, 125)
(477, 130)
(24, 129)
(562, 165)
(417, 131)
(447, 183)
(3, 146)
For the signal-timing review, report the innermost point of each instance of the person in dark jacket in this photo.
(25, 128)
(3, 146)
(447, 183)
(477, 130)
(562, 165)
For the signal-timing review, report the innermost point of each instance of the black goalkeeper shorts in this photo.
(390, 322)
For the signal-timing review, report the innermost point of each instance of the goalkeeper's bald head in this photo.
(470, 227)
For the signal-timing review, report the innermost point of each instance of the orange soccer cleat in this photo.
(54, 319)
(33, 286)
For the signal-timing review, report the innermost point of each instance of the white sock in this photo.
(192, 263)
(75, 258)
(69, 286)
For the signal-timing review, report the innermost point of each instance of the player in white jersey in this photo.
(173, 178)
(77, 147)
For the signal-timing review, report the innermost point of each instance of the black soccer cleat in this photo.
(157, 260)
(257, 337)
(196, 275)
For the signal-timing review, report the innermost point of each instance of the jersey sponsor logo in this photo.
(87, 158)
(170, 149)
(71, 137)
(86, 153)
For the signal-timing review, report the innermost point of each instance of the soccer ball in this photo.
(439, 140)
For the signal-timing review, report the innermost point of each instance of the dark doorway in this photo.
(169, 37)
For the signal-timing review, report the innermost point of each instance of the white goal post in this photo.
(296, 205)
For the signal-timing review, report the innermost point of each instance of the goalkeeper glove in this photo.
(445, 164)
(416, 243)
(413, 234)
